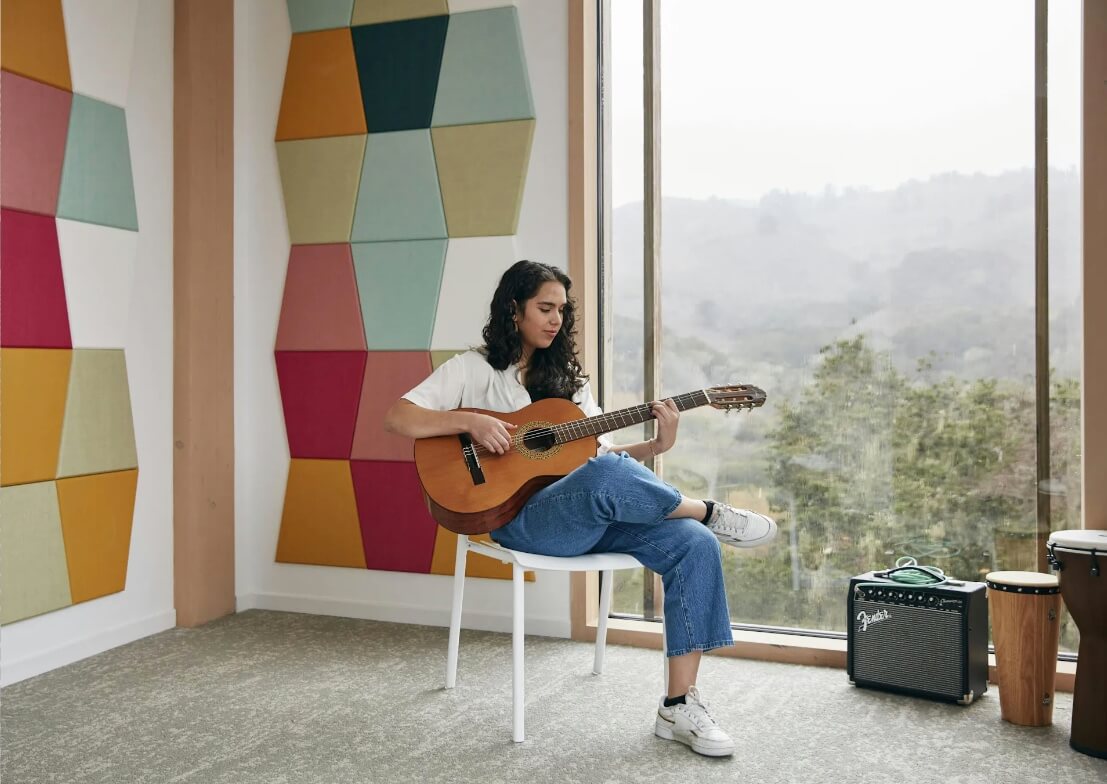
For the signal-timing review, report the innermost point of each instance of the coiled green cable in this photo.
(908, 572)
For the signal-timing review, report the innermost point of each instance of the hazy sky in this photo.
(800, 94)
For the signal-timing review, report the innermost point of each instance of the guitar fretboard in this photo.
(616, 420)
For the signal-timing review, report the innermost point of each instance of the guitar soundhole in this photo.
(537, 441)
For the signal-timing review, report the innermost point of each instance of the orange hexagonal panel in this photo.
(96, 514)
(321, 93)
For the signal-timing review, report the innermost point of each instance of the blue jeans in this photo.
(614, 504)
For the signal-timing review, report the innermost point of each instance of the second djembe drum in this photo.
(1025, 609)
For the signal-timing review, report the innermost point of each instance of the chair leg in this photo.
(455, 612)
(517, 653)
(665, 650)
(601, 628)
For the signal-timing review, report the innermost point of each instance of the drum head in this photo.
(1080, 539)
(1022, 579)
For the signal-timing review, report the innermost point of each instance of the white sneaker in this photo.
(692, 725)
(740, 527)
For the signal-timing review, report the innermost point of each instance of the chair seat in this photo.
(606, 563)
(598, 562)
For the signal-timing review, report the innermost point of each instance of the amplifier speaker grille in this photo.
(930, 642)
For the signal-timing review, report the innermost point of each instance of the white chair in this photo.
(521, 562)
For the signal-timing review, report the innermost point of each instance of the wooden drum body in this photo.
(1081, 560)
(1025, 609)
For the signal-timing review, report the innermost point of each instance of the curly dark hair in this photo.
(554, 371)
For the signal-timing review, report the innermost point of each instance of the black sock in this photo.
(710, 505)
(671, 701)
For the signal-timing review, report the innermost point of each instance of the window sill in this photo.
(783, 648)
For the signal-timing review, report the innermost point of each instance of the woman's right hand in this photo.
(491, 433)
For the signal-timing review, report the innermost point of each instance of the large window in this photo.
(849, 222)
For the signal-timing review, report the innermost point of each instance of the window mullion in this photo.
(1041, 278)
(651, 240)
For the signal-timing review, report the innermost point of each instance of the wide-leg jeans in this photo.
(614, 504)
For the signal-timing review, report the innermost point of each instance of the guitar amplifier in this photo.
(928, 641)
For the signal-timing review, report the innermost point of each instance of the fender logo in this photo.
(868, 619)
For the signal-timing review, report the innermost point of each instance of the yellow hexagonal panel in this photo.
(482, 170)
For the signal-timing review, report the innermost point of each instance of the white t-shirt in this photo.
(468, 381)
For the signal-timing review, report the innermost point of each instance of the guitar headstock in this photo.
(735, 397)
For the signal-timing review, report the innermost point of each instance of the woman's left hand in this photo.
(668, 418)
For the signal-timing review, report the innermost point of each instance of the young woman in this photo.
(610, 504)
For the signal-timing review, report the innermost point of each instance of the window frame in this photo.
(590, 244)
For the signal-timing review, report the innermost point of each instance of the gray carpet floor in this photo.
(281, 697)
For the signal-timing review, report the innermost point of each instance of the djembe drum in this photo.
(1025, 608)
(1080, 557)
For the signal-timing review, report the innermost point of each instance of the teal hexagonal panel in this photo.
(307, 15)
(484, 74)
(96, 182)
(398, 198)
(398, 283)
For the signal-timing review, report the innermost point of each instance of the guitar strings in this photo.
(578, 429)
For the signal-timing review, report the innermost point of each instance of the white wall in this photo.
(47, 641)
(261, 256)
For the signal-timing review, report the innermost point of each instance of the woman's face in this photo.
(541, 318)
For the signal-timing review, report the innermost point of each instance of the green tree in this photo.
(865, 464)
(868, 466)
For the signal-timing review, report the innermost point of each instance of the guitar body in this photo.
(472, 491)
(462, 505)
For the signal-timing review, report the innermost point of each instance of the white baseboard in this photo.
(14, 671)
(397, 613)
(75, 650)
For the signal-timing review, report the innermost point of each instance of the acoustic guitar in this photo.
(470, 490)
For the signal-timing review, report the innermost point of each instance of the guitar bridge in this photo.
(472, 462)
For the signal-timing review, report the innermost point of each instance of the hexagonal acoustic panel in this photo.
(404, 130)
(68, 465)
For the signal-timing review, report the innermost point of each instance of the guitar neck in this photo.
(616, 420)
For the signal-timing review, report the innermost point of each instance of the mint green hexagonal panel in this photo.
(398, 198)
(96, 181)
(307, 15)
(398, 283)
(484, 75)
